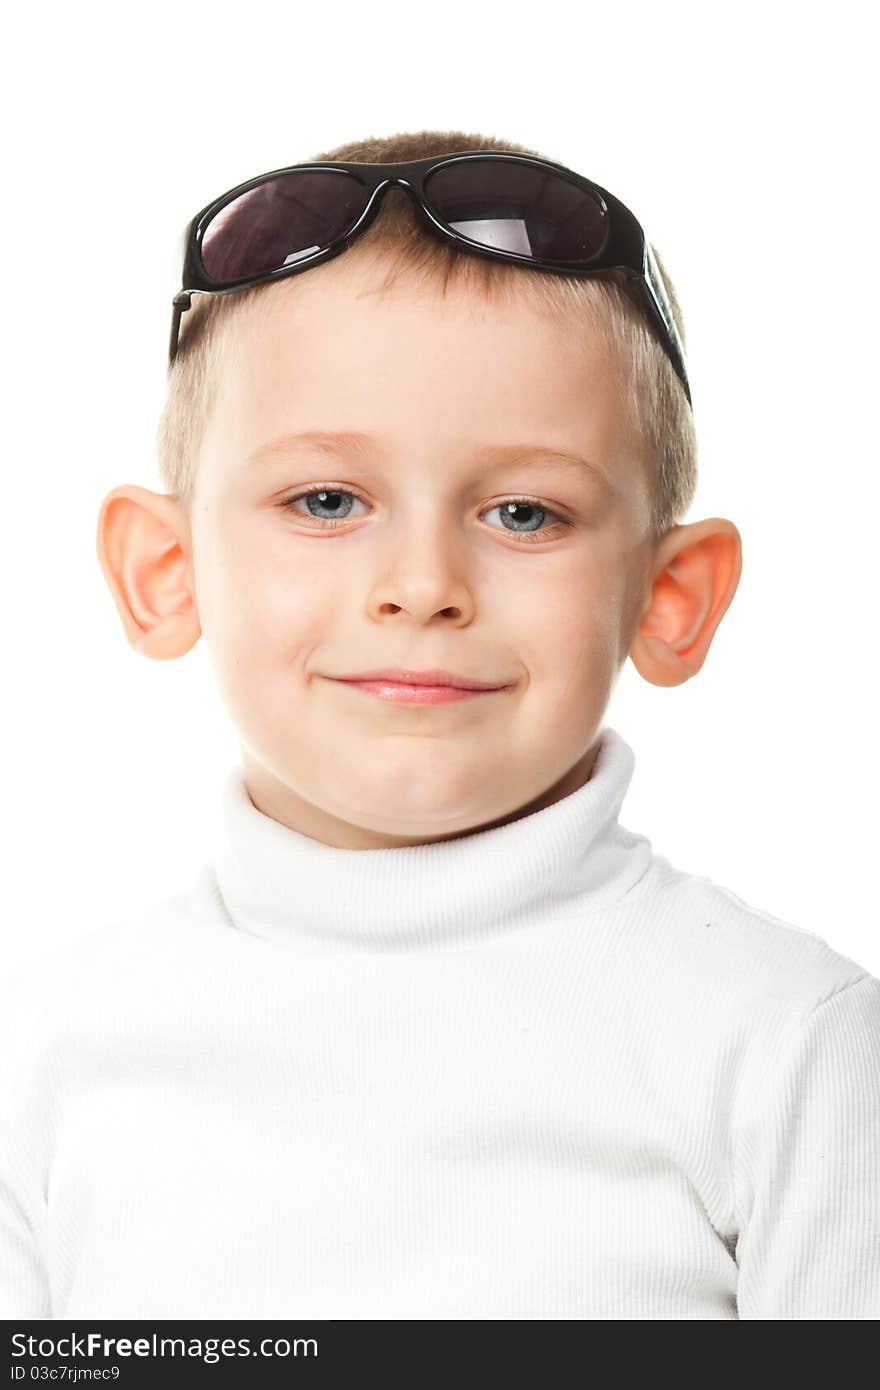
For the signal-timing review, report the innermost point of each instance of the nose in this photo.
(423, 579)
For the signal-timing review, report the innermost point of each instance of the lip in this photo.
(435, 678)
(435, 687)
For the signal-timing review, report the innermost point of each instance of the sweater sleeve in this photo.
(24, 1281)
(809, 1243)
(24, 1285)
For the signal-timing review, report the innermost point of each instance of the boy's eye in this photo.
(523, 517)
(520, 516)
(336, 502)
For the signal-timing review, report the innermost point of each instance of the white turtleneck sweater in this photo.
(535, 1072)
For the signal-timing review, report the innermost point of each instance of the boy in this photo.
(433, 1035)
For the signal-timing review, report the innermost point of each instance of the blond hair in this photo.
(657, 410)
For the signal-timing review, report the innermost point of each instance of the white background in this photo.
(746, 141)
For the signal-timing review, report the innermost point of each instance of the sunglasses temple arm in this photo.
(180, 303)
(653, 281)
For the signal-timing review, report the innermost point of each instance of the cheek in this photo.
(261, 607)
(569, 618)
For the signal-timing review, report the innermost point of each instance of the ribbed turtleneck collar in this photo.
(286, 887)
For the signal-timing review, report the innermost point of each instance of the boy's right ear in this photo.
(145, 551)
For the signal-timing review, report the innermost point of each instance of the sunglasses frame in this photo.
(625, 248)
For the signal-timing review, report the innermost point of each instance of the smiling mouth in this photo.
(398, 675)
(409, 692)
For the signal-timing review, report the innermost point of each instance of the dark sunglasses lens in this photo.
(279, 222)
(519, 208)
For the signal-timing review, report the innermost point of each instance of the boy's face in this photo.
(422, 572)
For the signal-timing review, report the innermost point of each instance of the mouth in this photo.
(419, 687)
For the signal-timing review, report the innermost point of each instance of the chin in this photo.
(418, 815)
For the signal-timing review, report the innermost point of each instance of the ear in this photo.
(695, 577)
(145, 551)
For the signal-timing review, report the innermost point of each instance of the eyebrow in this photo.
(355, 441)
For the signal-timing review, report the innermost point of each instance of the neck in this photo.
(564, 848)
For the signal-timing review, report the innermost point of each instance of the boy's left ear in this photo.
(695, 576)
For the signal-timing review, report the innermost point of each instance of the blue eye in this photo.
(332, 500)
(510, 512)
(333, 505)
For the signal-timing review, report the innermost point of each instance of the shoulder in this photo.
(759, 962)
(133, 981)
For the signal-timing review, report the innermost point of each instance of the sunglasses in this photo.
(517, 208)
